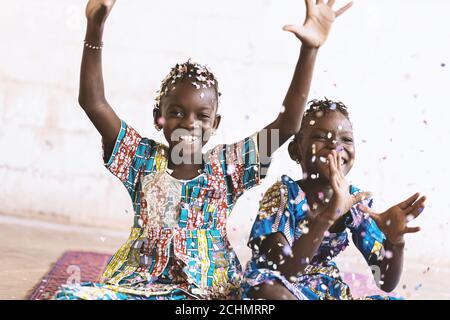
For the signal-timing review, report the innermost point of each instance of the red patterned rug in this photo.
(72, 267)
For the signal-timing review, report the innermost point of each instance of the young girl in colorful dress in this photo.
(301, 225)
(178, 246)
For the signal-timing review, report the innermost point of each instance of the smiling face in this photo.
(188, 116)
(322, 133)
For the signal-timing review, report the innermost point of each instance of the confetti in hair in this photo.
(318, 108)
(200, 76)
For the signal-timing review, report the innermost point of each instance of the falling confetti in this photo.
(231, 169)
(305, 207)
(287, 250)
(161, 121)
(427, 270)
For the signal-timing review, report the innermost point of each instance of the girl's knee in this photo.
(274, 290)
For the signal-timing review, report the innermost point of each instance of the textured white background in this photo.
(383, 59)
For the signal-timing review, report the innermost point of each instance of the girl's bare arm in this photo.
(312, 34)
(92, 93)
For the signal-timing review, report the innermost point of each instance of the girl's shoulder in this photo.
(129, 135)
(285, 186)
(284, 194)
(141, 152)
(293, 188)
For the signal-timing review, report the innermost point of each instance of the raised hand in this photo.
(318, 22)
(394, 222)
(98, 10)
(342, 200)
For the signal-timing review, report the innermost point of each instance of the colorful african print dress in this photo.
(178, 246)
(284, 209)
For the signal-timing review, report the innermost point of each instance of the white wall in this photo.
(383, 60)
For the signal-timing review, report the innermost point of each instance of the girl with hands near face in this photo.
(302, 225)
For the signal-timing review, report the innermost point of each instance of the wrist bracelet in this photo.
(90, 46)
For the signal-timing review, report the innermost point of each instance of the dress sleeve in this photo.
(240, 166)
(273, 216)
(129, 156)
(366, 235)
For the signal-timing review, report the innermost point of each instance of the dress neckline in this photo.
(169, 172)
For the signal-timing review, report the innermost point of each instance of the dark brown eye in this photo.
(319, 136)
(204, 116)
(347, 139)
(176, 113)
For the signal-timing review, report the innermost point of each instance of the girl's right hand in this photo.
(342, 200)
(320, 17)
(98, 10)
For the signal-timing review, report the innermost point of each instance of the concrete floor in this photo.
(29, 247)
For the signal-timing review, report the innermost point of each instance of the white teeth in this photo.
(342, 162)
(189, 138)
(323, 159)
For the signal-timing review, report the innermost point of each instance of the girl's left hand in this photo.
(393, 222)
(318, 22)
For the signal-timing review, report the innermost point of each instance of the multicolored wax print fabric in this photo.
(178, 246)
(284, 209)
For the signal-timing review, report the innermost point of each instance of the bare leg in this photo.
(275, 291)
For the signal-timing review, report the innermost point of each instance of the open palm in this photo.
(342, 200)
(394, 222)
(318, 22)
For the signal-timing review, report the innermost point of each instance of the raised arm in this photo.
(92, 94)
(312, 34)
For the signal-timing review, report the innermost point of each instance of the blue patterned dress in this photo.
(284, 209)
(178, 246)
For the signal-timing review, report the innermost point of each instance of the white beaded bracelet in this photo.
(90, 46)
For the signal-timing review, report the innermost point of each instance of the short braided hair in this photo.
(318, 108)
(200, 76)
